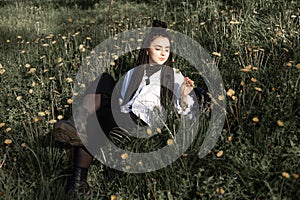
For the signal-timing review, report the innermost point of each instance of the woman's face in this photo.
(159, 50)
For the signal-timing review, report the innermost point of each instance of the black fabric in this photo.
(103, 84)
(150, 70)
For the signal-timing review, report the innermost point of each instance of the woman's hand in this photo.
(186, 87)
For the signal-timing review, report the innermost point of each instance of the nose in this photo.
(163, 52)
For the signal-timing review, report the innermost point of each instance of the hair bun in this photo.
(160, 24)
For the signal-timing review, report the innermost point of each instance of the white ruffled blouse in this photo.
(146, 101)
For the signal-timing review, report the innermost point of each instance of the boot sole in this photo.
(67, 134)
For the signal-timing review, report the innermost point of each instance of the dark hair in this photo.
(167, 74)
(158, 29)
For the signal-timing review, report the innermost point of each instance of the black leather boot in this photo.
(78, 186)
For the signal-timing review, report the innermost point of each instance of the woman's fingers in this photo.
(189, 81)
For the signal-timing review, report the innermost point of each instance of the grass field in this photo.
(256, 46)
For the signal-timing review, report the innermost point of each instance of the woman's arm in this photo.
(182, 89)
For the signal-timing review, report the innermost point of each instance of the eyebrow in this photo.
(161, 46)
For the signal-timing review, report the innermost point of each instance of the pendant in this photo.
(147, 81)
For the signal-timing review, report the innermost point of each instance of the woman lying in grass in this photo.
(150, 86)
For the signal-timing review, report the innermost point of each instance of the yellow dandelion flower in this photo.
(221, 97)
(170, 141)
(285, 49)
(32, 70)
(81, 47)
(2, 124)
(8, 141)
(41, 114)
(289, 64)
(50, 36)
(19, 37)
(69, 80)
(60, 117)
(242, 83)
(117, 47)
(140, 162)
(70, 101)
(258, 89)
(59, 60)
(248, 67)
(47, 112)
(222, 191)
(298, 65)
(293, 16)
(8, 129)
(184, 155)
(245, 70)
(253, 80)
(115, 57)
(216, 54)
(234, 98)
(70, 20)
(234, 22)
(230, 92)
(54, 42)
(45, 45)
(220, 153)
(88, 38)
(27, 65)
(255, 119)
(36, 119)
(149, 131)
(2, 71)
(127, 167)
(30, 91)
(19, 98)
(76, 34)
(8, 41)
(113, 197)
(23, 51)
(229, 138)
(23, 145)
(295, 176)
(124, 156)
(52, 121)
(51, 78)
(202, 23)
(279, 123)
(285, 175)
(254, 68)
(158, 130)
(112, 63)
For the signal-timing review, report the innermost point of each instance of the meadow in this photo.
(256, 46)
